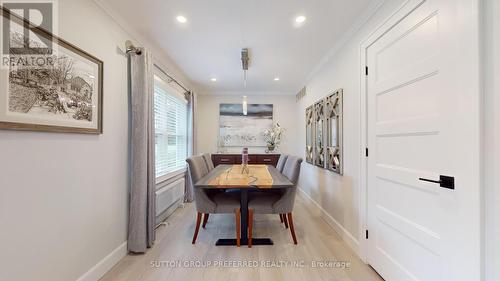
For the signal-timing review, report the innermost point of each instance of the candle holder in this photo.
(244, 161)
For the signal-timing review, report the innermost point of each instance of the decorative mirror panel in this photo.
(333, 120)
(319, 128)
(309, 134)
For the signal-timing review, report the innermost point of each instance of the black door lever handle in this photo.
(433, 181)
(444, 181)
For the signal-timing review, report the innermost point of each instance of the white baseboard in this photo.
(103, 266)
(346, 236)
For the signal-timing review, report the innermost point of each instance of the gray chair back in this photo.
(208, 161)
(281, 162)
(197, 168)
(292, 171)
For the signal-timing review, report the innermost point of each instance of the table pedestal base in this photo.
(255, 242)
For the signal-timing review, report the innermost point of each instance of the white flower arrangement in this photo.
(273, 136)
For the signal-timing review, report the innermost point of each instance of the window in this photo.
(170, 128)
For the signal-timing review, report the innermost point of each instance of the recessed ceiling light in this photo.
(181, 19)
(213, 79)
(300, 19)
(276, 79)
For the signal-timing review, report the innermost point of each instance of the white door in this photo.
(423, 123)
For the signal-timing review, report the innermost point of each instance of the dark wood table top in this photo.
(232, 176)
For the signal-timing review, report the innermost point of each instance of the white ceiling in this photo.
(209, 44)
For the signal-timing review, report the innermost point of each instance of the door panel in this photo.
(393, 228)
(410, 106)
(405, 151)
(415, 129)
(421, 39)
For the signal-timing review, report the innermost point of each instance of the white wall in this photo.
(491, 70)
(207, 120)
(339, 195)
(63, 197)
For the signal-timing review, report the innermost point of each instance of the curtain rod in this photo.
(129, 47)
(171, 78)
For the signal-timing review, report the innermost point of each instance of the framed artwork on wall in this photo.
(324, 133)
(56, 89)
(239, 130)
(319, 136)
(309, 134)
(334, 141)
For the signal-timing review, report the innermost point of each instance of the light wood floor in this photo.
(317, 242)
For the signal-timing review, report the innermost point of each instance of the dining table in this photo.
(244, 179)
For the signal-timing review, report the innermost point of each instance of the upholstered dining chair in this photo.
(279, 166)
(210, 166)
(208, 161)
(211, 202)
(281, 162)
(272, 203)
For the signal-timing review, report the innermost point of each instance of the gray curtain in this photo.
(141, 234)
(189, 191)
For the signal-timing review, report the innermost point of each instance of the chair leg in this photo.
(198, 221)
(205, 219)
(285, 220)
(250, 227)
(292, 230)
(281, 218)
(238, 227)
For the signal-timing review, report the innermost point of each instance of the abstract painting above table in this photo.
(56, 89)
(236, 129)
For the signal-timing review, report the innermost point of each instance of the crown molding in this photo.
(369, 12)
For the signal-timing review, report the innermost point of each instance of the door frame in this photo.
(469, 11)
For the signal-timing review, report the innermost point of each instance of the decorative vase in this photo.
(244, 161)
(270, 148)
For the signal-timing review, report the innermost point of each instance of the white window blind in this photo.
(170, 129)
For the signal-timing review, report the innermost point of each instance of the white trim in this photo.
(489, 101)
(162, 180)
(392, 19)
(105, 265)
(346, 236)
(169, 176)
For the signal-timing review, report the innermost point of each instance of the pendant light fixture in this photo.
(245, 105)
(244, 63)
